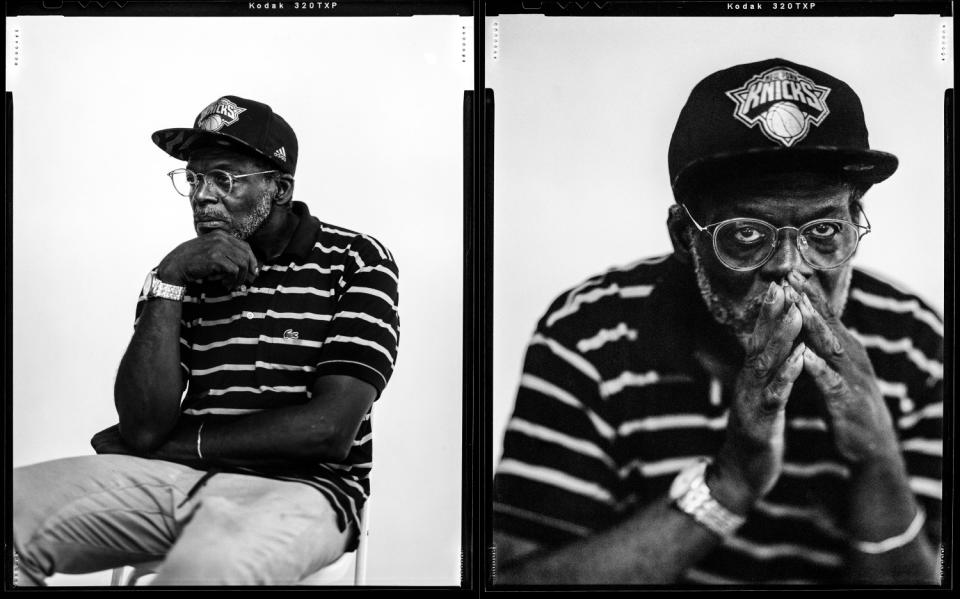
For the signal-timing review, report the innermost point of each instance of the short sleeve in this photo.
(364, 333)
(556, 481)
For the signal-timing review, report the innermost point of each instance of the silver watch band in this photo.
(165, 290)
(699, 504)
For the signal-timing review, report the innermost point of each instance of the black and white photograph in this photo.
(718, 282)
(236, 254)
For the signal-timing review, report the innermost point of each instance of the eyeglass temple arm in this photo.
(869, 227)
(695, 223)
(251, 174)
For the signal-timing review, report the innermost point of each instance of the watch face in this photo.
(147, 284)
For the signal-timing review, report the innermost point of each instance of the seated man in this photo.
(278, 332)
(750, 408)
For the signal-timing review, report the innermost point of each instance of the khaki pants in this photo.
(92, 513)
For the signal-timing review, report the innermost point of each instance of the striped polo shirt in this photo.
(326, 306)
(612, 405)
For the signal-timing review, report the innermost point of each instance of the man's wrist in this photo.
(156, 287)
(692, 495)
(880, 466)
(729, 491)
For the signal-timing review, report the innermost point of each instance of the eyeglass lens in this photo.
(186, 181)
(747, 243)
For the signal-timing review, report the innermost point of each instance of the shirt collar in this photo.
(305, 235)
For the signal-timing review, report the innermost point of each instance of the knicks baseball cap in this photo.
(236, 123)
(772, 116)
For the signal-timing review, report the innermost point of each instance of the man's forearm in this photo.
(882, 506)
(270, 438)
(654, 546)
(150, 381)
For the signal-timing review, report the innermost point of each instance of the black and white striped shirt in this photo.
(612, 405)
(327, 305)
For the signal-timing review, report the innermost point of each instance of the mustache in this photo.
(197, 216)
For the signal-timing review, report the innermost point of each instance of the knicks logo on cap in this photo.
(782, 102)
(218, 115)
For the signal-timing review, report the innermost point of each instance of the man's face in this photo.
(244, 209)
(734, 297)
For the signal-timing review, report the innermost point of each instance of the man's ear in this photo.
(284, 193)
(679, 227)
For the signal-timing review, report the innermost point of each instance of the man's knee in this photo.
(27, 516)
(272, 540)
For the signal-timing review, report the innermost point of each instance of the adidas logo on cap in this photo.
(280, 154)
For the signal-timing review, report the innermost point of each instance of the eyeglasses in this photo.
(748, 243)
(186, 181)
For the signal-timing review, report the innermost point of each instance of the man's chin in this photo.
(202, 228)
(741, 321)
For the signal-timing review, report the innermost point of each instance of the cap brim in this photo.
(180, 142)
(855, 165)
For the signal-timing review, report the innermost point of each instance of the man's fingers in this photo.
(775, 395)
(828, 380)
(242, 254)
(253, 265)
(227, 268)
(777, 348)
(242, 262)
(819, 334)
(770, 310)
(817, 300)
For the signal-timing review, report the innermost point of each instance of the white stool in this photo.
(333, 574)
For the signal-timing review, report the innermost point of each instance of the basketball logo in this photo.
(784, 120)
(214, 122)
(218, 115)
(782, 103)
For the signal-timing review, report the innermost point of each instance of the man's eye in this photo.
(824, 230)
(220, 179)
(747, 235)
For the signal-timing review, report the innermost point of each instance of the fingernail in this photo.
(771, 293)
(799, 352)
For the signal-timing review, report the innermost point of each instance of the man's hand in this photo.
(109, 441)
(215, 256)
(841, 369)
(751, 458)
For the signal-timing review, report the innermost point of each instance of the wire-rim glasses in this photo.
(186, 181)
(745, 244)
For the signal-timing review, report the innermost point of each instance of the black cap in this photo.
(773, 116)
(235, 122)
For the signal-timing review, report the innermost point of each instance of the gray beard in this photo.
(252, 222)
(741, 317)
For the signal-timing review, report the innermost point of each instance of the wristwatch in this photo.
(153, 287)
(691, 496)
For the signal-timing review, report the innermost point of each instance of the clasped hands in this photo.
(797, 331)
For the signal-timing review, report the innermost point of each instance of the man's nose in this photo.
(786, 257)
(204, 192)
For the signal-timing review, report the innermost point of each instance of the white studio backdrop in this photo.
(377, 106)
(585, 108)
